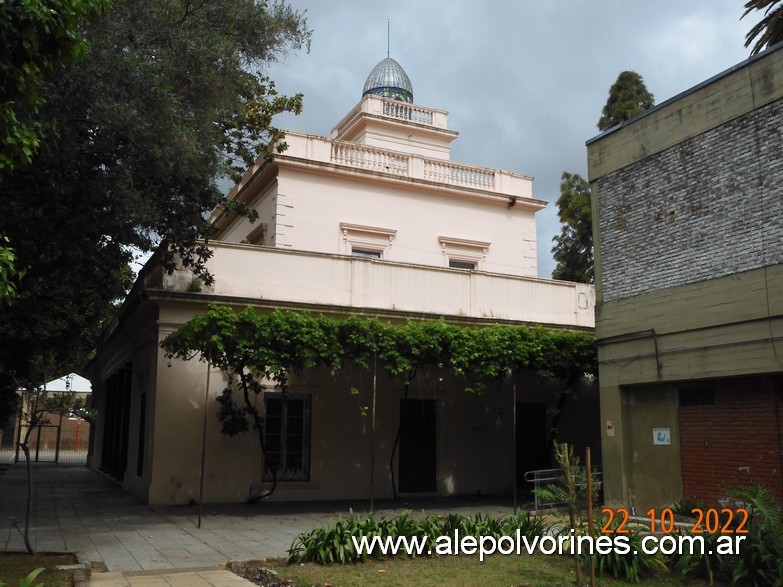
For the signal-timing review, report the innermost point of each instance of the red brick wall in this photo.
(719, 441)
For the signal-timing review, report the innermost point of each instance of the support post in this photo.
(514, 434)
(203, 447)
(372, 432)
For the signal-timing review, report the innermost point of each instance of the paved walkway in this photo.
(78, 510)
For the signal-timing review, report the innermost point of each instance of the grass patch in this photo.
(497, 570)
(14, 567)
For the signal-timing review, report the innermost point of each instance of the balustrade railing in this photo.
(454, 173)
(406, 111)
(369, 158)
(441, 171)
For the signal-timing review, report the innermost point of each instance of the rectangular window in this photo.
(460, 253)
(369, 242)
(366, 253)
(455, 264)
(287, 437)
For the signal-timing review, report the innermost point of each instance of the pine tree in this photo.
(628, 96)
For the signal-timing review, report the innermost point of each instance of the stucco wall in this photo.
(469, 426)
(291, 278)
(319, 203)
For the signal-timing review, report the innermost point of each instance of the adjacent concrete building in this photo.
(375, 221)
(688, 217)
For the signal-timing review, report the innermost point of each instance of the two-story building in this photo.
(374, 221)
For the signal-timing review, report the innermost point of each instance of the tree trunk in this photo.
(29, 509)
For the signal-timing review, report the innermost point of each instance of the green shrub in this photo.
(332, 543)
(686, 505)
(634, 564)
(528, 524)
(329, 544)
(707, 564)
(759, 562)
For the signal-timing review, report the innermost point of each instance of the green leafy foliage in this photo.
(707, 564)
(628, 97)
(571, 490)
(29, 580)
(686, 505)
(573, 248)
(633, 565)
(249, 345)
(38, 36)
(170, 97)
(332, 544)
(769, 30)
(759, 562)
(9, 275)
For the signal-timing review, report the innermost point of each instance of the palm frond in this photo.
(769, 30)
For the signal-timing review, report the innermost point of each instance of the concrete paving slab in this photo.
(190, 578)
(79, 510)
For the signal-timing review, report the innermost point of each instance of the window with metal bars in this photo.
(287, 437)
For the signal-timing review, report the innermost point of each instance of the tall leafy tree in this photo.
(37, 37)
(769, 30)
(170, 97)
(573, 248)
(628, 96)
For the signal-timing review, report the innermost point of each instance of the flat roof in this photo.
(681, 95)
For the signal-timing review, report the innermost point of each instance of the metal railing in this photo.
(543, 478)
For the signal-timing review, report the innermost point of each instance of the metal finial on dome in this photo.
(388, 79)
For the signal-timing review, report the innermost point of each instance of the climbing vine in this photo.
(249, 346)
(279, 343)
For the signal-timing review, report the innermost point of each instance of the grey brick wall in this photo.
(708, 207)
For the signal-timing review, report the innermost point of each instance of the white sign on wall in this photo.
(662, 436)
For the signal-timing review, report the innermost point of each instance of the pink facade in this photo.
(374, 221)
(383, 186)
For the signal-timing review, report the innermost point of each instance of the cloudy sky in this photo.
(524, 82)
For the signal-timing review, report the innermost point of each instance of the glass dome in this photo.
(388, 79)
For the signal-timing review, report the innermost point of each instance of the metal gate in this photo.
(64, 442)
